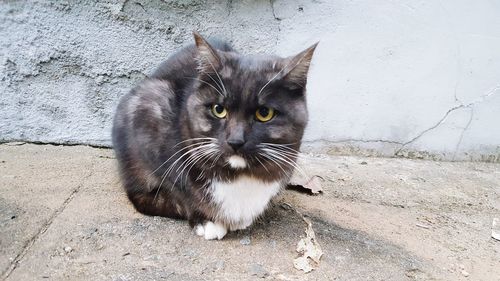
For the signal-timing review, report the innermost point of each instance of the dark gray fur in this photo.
(158, 118)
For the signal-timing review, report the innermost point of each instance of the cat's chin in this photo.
(237, 162)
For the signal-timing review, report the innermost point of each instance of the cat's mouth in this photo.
(237, 162)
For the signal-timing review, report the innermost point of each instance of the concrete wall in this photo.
(409, 78)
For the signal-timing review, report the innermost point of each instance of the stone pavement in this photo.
(63, 216)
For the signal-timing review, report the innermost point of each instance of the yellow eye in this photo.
(219, 111)
(264, 114)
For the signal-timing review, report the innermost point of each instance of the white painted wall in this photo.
(399, 77)
(409, 77)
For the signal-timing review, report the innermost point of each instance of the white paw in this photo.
(199, 230)
(212, 230)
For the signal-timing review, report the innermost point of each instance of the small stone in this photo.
(465, 273)
(213, 267)
(364, 163)
(68, 249)
(245, 240)
(258, 270)
(219, 265)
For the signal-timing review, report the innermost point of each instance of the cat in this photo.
(212, 135)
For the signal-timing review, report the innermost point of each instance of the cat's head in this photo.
(251, 109)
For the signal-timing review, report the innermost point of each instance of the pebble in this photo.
(213, 267)
(219, 265)
(245, 240)
(68, 249)
(465, 273)
(258, 270)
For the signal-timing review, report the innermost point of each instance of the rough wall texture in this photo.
(406, 78)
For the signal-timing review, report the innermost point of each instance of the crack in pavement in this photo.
(29, 244)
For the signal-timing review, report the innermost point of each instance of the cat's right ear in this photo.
(207, 58)
(295, 72)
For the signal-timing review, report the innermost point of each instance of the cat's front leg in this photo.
(211, 230)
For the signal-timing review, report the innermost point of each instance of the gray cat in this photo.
(212, 135)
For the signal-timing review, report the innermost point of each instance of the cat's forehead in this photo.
(256, 66)
(244, 75)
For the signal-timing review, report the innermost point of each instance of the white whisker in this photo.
(201, 145)
(274, 161)
(205, 82)
(195, 157)
(184, 148)
(285, 159)
(218, 76)
(262, 164)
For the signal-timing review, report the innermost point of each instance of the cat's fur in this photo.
(178, 160)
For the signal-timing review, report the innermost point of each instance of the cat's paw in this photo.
(199, 230)
(211, 230)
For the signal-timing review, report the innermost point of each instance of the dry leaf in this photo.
(310, 250)
(495, 229)
(301, 263)
(312, 186)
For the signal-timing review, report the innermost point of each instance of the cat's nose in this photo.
(236, 144)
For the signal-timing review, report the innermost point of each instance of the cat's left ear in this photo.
(207, 58)
(295, 73)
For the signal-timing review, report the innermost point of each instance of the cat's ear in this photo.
(297, 67)
(207, 58)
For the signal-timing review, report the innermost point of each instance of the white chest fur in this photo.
(241, 201)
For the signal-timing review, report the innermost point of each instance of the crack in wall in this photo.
(229, 7)
(483, 97)
(402, 145)
(65, 143)
(29, 244)
(471, 116)
(458, 53)
(441, 121)
(470, 105)
(355, 140)
(277, 19)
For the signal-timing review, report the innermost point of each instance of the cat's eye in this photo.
(264, 114)
(219, 111)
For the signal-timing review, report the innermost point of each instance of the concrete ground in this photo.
(63, 216)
